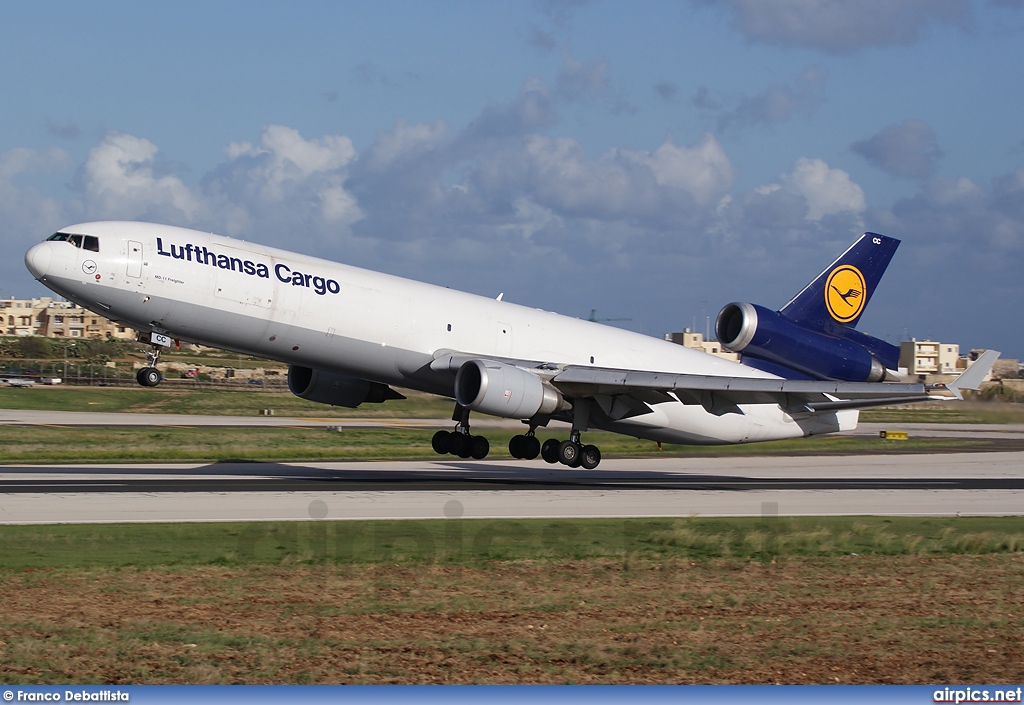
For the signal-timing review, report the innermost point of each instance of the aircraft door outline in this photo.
(134, 259)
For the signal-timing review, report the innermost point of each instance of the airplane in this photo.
(350, 335)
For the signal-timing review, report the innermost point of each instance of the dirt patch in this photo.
(848, 620)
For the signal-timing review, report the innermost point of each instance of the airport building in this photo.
(928, 357)
(696, 341)
(56, 319)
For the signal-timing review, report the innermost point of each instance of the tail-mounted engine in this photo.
(762, 334)
(505, 390)
(336, 389)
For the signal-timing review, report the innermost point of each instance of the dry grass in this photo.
(854, 619)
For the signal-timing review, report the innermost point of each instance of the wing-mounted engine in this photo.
(500, 389)
(762, 334)
(336, 389)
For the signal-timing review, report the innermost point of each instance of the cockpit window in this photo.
(85, 242)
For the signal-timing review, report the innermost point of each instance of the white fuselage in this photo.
(306, 311)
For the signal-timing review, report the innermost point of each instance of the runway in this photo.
(940, 485)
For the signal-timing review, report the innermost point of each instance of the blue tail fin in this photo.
(835, 300)
(813, 336)
(838, 296)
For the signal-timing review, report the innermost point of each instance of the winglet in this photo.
(972, 377)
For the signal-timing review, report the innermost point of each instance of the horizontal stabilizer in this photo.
(975, 374)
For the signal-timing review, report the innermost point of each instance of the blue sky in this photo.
(650, 160)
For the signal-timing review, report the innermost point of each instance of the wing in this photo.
(638, 388)
(722, 393)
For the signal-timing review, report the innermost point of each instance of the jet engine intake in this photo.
(762, 334)
(336, 389)
(500, 389)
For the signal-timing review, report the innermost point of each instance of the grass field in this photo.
(779, 600)
(252, 400)
(48, 444)
(208, 401)
(582, 601)
(476, 541)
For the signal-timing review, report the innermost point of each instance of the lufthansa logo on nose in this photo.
(845, 293)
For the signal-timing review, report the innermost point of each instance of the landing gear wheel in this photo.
(590, 457)
(524, 447)
(441, 442)
(549, 450)
(149, 377)
(461, 442)
(457, 443)
(479, 447)
(530, 447)
(570, 453)
(515, 447)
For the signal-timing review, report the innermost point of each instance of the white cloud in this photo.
(840, 26)
(286, 176)
(283, 157)
(119, 182)
(703, 170)
(23, 161)
(404, 141)
(663, 186)
(827, 190)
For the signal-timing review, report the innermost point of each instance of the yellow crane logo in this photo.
(845, 293)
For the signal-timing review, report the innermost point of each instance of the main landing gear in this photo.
(150, 376)
(460, 442)
(571, 453)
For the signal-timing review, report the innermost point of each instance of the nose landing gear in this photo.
(150, 376)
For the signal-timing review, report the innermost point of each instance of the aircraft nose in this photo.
(37, 259)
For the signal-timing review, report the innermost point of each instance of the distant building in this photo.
(928, 357)
(696, 341)
(56, 319)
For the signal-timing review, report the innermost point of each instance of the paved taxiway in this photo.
(948, 484)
